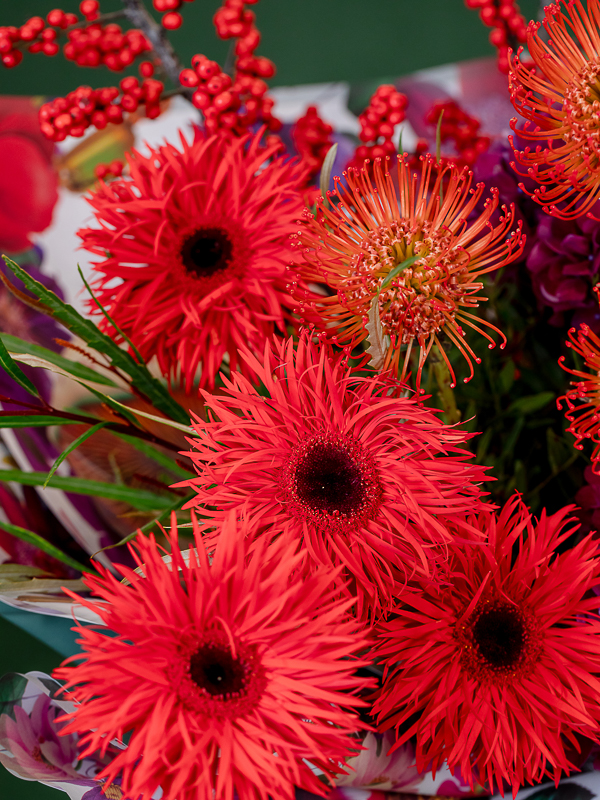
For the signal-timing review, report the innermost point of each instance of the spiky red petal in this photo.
(508, 712)
(284, 648)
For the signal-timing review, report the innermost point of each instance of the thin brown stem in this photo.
(140, 17)
(117, 427)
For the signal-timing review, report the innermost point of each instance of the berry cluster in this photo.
(73, 114)
(171, 19)
(35, 35)
(104, 171)
(226, 103)
(246, 94)
(377, 124)
(509, 26)
(312, 138)
(461, 129)
(107, 45)
(89, 45)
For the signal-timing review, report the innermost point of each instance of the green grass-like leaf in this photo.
(73, 446)
(15, 371)
(27, 420)
(138, 498)
(16, 345)
(39, 541)
(140, 377)
(122, 333)
(149, 525)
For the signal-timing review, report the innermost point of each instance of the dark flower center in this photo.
(328, 479)
(214, 669)
(206, 251)
(500, 635)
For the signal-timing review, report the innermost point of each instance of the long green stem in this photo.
(444, 382)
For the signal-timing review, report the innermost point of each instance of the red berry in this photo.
(114, 114)
(129, 83)
(201, 100)
(206, 69)
(147, 69)
(152, 110)
(172, 21)
(99, 119)
(187, 77)
(129, 103)
(116, 167)
(69, 19)
(63, 121)
(47, 130)
(89, 8)
(12, 59)
(55, 17)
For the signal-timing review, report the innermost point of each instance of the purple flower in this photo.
(564, 262)
(35, 750)
(375, 768)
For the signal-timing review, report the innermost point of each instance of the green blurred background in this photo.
(309, 41)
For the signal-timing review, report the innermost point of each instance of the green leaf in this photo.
(396, 271)
(531, 403)
(138, 498)
(149, 525)
(38, 541)
(141, 378)
(156, 455)
(326, 171)
(16, 345)
(27, 420)
(108, 317)
(506, 377)
(12, 688)
(438, 138)
(15, 372)
(73, 446)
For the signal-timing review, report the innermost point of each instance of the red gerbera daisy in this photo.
(559, 99)
(500, 660)
(227, 675)
(404, 244)
(363, 479)
(194, 247)
(584, 416)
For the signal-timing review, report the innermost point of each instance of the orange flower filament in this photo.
(560, 99)
(584, 416)
(417, 223)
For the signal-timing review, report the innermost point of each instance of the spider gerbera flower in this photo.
(558, 97)
(401, 246)
(499, 661)
(359, 477)
(583, 400)
(226, 675)
(194, 247)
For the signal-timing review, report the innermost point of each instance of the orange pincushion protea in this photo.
(404, 243)
(560, 99)
(584, 416)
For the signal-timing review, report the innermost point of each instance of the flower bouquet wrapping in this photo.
(310, 472)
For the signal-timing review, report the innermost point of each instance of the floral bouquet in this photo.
(311, 472)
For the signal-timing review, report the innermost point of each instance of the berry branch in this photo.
(139, 17)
